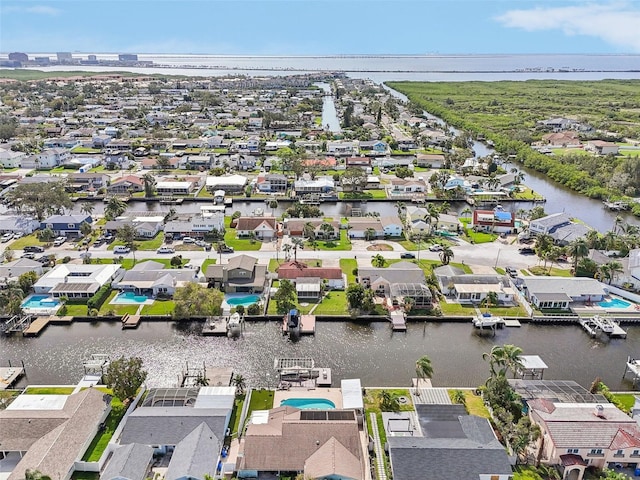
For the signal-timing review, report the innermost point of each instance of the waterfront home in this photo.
(549, 223)
(377, 146)
(76, 281)
(49, 158)
(11, 271)
(242, 162)
(575, 436)
(566, 234)
(126, 185)
(328, 163)
(557, 124)
(145, 227)
(391, 226)
(365, 227)
(295, 227)
(272, 183)
(82, 182)
(294, 271)
(66, 225)
(562, 292)
(600, 147)
(380, 279)
(561, 139)
(318, 444)
(195, 226)
(166, 187)
(18, 224)
(194, 161)
(323, 184)
(430, 160)
(262, 228)
(472, 289)
(406, 186)
(495, 221)
(457, 182)
(443, 442)
(394, 162)
(130, 462)
(152, 278)
(241, 274)
(233, 184)
(50, 433)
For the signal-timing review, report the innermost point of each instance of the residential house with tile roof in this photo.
(240, 274)
(264, 228)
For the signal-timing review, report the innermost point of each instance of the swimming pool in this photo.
(244, 300)
(129, 298)
(40, 301)
(309, 403)
(615, 303)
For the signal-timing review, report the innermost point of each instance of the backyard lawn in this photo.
(235, 415)
(348, 265)
(469, 310)
(49, 390)
(474, 403)
(159, 307)
(260, 400)
(100, 441)
(207, 262)
(333, 303)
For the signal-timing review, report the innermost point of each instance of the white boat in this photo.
(486, 320)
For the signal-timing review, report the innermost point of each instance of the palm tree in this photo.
(543, 244)
(369, 234)
(327, 230)
(389, 401)
(446, 254)
(424, 369)
(445, 207)
(466, 212)
(239, 382)
(593, 239)
(512, 358)
(86, 208)
(309, 231)
(614, 267)
(273, 205)
(378, 261)
(578, 249)
(401, 208)
(297, 243)
(491, 300)
(149, 184)
(115, 208)
(432, 217)
(287, 251)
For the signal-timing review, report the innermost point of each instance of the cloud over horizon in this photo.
(617, 23)
(34, 9)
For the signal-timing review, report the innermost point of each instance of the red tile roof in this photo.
(294, 270)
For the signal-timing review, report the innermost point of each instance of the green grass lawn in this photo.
(473, 403)
(85, 475)
(344, 244)
(260, 400)
(230, 239)
(236, 413)
(159, 307)
(539, 270)
(626, 401)
(333, 303)
(100, 441)
(204, 193)
(85, 150)
(108, 309)
(49, 390)
(26, 241)
(372, 399)
(151, 244)
(73, 311)
(207, 262)
(469, 310)
(274, 264)
(527, 194)
(348, 265)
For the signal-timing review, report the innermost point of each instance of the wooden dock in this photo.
(596, 325)
(36, 326)
(307, 325)
(215, 326)
(9, 376)
(398, 320)
(130, 321)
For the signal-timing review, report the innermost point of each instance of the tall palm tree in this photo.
(491, 300)
(593, 239)
(432, 217)
(239, 382)
(149, 185)
(466, 212)
(512, 358)
(86, 208)
(543, 244)
(115, 208)
(614, 268)
(445, 207)
(327, 230)
(297, 243)
(578, 249)
(603, 272)
(424, 369)
(446, 254)
(309, 231)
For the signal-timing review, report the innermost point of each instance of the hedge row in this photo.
(99, 298)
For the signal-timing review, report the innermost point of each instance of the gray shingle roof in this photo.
(195, 456)
(129, 461)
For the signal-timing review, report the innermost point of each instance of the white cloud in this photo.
(35, 10)
(615, 23)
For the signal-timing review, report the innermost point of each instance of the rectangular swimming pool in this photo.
(309, 403)
(40, 301)
(129, 298)
(614, 303)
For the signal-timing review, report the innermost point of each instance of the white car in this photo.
(435, 248)
(6, 237)
(59, 241)
(188, 240)
(166, 250)
(121, 249)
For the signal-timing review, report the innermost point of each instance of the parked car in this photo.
(226, 249)
(59, 241)
(30, 256)
(200, 243)
(46, 260)
(435, 248)
(512, 272)
(18, 235)
(6, 237)
(121, 249)
(188, 240)
(34, 249)
(407, 255)
(527, 251)
(166, 250)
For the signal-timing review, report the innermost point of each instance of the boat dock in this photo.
(10, 375)
(633, 366)
(216, 326)
(616, 206)
(398, 320)
(486, 321)
(306, 325)
(596, 325)
(130, 321)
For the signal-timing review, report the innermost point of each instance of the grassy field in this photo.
(539, 270)
(49, 390)
(348, 265)
(469, 310)
(260, 400)
(333, 303)
(100, 441)
(344, 244)
(26, 241)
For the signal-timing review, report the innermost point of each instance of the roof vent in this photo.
(599, 412)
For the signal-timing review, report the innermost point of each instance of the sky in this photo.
(320, 27)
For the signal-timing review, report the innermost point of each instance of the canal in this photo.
(369, 351)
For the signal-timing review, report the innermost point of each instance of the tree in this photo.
(613, 475)
(403, 172)
(273, 205)
(369, 234)
(446, 254)
(163, 163)
(87, 208)
(286, 296)
(40, 199)
(8, 127)
(239, 382)
(125, 376)
(378, 261)
(355, 295)
(194, 300)
(424, 369)
(297, 243)
(577, 249)
(8, 255)
(26, 281)
(35, 475)
(309, 231)
(544, 243)
(389, 401)
(354, 179)
(506, 357)
(327, 230)
(176, 261)
(115, 208)
(614, 267)
(85, 229)
(149, 185)
(11, 299)
(459, 397)
(45, 235)
(127, 234)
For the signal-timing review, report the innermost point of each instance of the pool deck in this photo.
(333, 394)
(148, 301)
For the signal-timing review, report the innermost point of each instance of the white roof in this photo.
(77, 274)
(226, 180)
(259, 417)
(173, 185)
(532, 362)
(38, 402)
(351, 393)
(216, 397)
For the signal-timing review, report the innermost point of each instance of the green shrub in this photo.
(253, 309)
(99, 298)
(66, 259)
(93, 312)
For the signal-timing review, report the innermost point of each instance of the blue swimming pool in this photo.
(615, 303)
(309, 403)
(129, 298)
(244, 300)
(40, 301)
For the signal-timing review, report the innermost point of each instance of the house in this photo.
(328, 163)
(561, 139)
(272, 183)
(406, 186)
(365, 227)
(581, 435)
(11, 159)
(380, 279)
(562, 292)
(457, 182)
(11, 271)
(391, 226)
(126, 185)
(195, 161)
(47, 159)
(82, 182)
(557, 124)
(342, 149)
(323, 444)
(430, 160)
(55, 434)
(195, 226)
(295, 227)
(152, 278)
(600, 147)
(229, 183)
(66, 225)
(18, 224)
(495, 221)
(76, 281)
(377, 146)
(394, 162)
(444, 443)
(130, 462)
(548, 224)
(472, 289)
(175, 187)
(262, 228)
(323, 184)
(241, 274)
(145, 227)
(242, 162)
(298, 270)
(364, 163)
